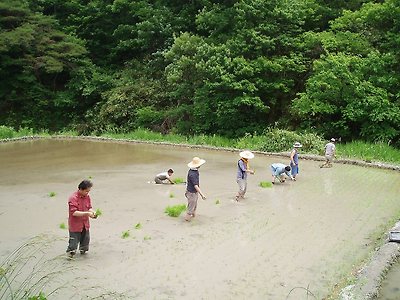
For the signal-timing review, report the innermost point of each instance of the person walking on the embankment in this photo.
(243, 169)
(294, 159)
(330, 152)
(193, 187)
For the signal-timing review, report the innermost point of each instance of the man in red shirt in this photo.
(80, 210)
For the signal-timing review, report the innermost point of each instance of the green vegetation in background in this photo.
(194, 67)
(273, 140)
(175, 211)
(52, 194)
(374, 152)
(138, 226)
(63, 226)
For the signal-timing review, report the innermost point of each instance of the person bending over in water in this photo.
(278, 172)
(164, 177)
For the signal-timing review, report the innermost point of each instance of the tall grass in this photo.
(375, 152)
(271, 140)
(26, 272)
(274, 140)
(9, 132)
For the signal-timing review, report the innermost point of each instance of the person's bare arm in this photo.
(292, 157)
(200, 192)
(90, 213)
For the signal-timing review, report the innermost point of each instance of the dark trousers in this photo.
(81, 238)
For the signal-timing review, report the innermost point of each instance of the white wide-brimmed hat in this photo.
(297, 145)
(332, 140)
(196, 162)
(246, 154)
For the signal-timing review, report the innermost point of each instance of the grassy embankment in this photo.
(275, 140)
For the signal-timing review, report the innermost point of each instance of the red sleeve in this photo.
(73, 204)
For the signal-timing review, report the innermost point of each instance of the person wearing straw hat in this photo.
(243, 169)
(330, 151)
(193, 187)
(294, 159)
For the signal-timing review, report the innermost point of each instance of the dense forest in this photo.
(202, 66)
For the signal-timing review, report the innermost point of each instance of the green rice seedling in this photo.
(52, 194)
(138, 226)
(98, 212)
(175, 211)
(62, 226)
(217, 201)
(178, 180)
(265, 184)
(146, 238)
(125, 234)
(171, 195)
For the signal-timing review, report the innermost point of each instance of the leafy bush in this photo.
(278, 140)
(7, 132)
(175, 211)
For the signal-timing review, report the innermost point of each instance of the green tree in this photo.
(37, 61)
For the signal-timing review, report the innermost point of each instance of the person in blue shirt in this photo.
(243, 169)
(279, 171)
(294, 159)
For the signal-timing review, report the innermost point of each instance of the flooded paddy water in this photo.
(278, 242)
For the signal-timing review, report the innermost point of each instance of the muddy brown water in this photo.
(390, 289)
(311, 233)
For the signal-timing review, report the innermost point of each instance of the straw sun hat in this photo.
(297, 145)
(196, 162)
(246, 154)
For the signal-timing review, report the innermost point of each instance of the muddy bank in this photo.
(307, 233)
(355, 162)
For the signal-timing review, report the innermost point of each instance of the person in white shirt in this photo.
(330, 151)
(164, 177)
